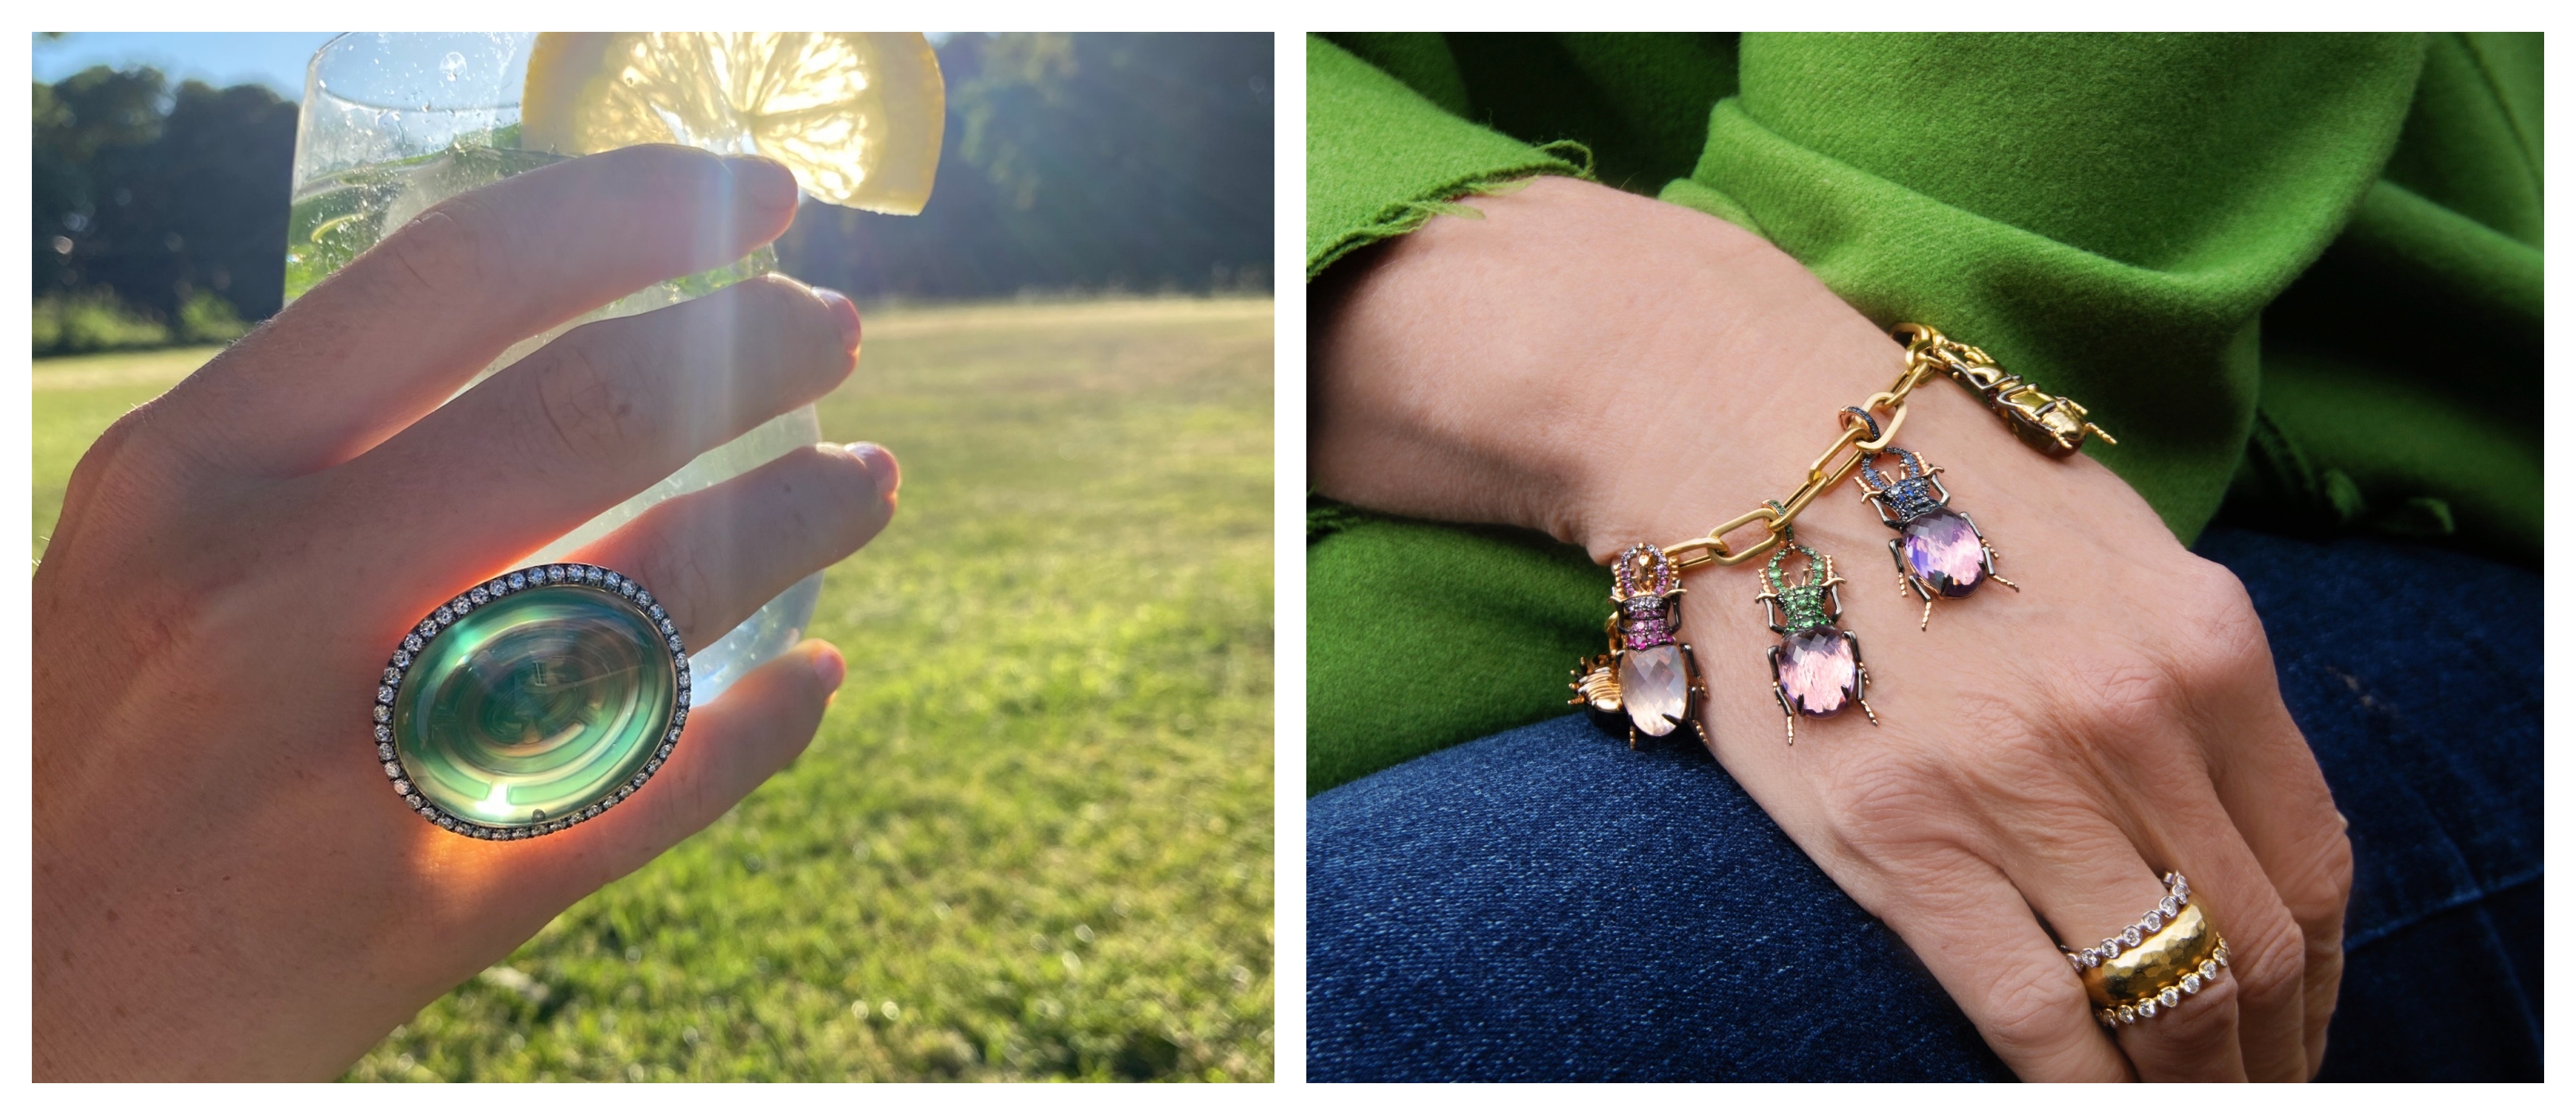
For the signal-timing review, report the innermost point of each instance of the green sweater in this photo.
(2298, 275)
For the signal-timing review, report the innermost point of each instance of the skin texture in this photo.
(1611, 369)
(224, 887)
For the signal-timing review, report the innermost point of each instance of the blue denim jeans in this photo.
(1545, 904)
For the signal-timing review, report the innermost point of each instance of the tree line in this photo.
(1070, 164)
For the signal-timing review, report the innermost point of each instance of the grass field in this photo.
(1033, 839)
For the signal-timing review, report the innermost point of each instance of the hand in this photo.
(1614, 370)
(224, 886)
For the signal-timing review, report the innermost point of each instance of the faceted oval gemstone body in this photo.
(1819, 671)
(1943, 550)
(535, 705)
(1655, 687)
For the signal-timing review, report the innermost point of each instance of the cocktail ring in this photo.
(533, 702)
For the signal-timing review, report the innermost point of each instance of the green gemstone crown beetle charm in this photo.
(1817, 669)
(1939, 551)
(532, 702)
(1648, 685)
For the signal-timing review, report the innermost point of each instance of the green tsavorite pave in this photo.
(532, 702)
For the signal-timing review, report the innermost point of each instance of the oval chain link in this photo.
(1925, 351)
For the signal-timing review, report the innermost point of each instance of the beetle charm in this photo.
(1939, 552)
(1648, 685)
(1817, 669)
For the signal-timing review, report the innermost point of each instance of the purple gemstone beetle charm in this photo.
(1816, 670)
(1939, 552)
(1648, 686)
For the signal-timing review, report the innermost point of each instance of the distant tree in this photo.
(1070, 162)
(1094, 161)
(158, 194)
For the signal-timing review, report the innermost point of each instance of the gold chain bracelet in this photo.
(1649, 683)
(2053, 425)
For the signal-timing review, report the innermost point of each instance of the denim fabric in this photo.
(1544, 904)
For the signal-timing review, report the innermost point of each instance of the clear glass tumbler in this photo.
(394, 123)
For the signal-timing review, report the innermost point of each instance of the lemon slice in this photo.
(856, 115)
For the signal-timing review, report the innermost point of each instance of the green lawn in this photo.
(1033, 840)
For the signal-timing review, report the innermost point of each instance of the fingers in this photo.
(600, 414)
(1972, 929)
(713, 557)
(2275, 798)
(393, 333)
(731, 746)
(2273, 821)
(2087, 881)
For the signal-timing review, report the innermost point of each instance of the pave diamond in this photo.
(384, 733)
(411, 641)
(518, 581)
(392, 675)
(383, 714)
(402, 786)
(402, 657)
(628, 589)
(644, 598)
(480, 595)
(384, 694)
(384, 752)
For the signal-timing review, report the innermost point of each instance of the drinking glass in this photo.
(394, 123)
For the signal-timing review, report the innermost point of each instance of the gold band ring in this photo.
(2180, 959)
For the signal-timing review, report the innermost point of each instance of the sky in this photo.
(274, 59)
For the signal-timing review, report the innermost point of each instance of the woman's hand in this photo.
(1615, 370)
(224, 887)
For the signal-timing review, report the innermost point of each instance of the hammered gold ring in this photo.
(2183, 956)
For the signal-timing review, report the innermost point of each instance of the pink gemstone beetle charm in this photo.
(1939, 552)
(1648, 684)
(1816, 670)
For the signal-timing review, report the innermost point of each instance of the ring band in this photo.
(2178, 960)
(2177, 895)
(532, 702)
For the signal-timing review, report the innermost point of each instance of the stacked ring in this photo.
(2177, 895)
(2179, 959)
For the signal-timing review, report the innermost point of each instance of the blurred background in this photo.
(1072, 165)
(1032, 839)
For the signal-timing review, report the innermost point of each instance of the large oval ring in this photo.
(532, 702)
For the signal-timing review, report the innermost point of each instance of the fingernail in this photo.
(830, 669)
(881, 467)
(848, 312)
(767, 182)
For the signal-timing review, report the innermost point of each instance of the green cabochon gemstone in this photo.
(535, 705)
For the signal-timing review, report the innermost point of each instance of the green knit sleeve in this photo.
(1382, 158)
(2107, 215)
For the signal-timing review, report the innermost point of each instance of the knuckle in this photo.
(2270, 959)
(1888, 798)
(589, 408)
(443, 250)
(2033, 1011)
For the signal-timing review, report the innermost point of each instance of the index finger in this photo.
(395, 332)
